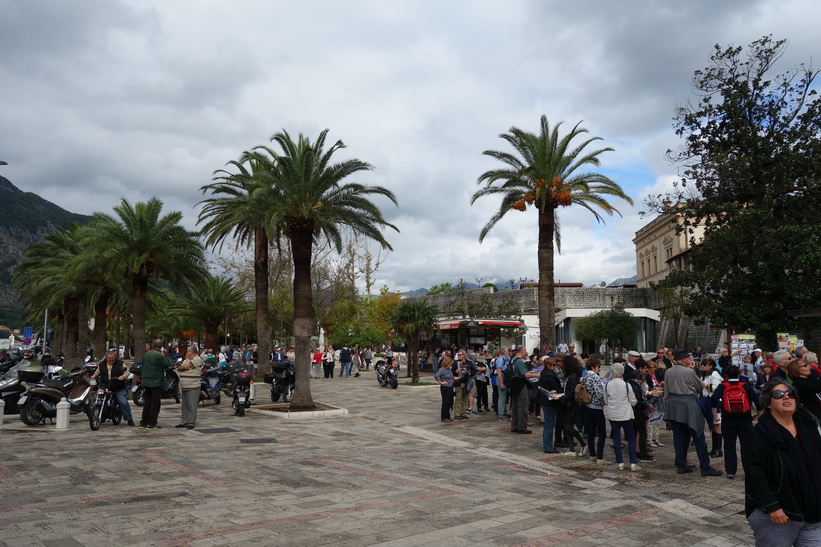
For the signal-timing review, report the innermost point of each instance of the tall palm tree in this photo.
(410, 320)
(310, 202)
(144, 245)
(547, 171)
(238, 211)
(46, 280)
(209, 302)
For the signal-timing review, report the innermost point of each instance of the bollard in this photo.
(62, 413)
(252, 392)
(2, 410)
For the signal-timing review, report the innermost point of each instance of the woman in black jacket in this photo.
(783, 482)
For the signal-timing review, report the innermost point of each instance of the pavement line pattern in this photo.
(592, 528)
(5, 472)
(183, 468)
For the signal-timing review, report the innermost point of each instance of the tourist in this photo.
(736, 419)
(619, 399)
(595, 424)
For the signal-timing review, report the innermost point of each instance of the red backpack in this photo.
(735, 399)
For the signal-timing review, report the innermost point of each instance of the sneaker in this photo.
(142, 426)
(621, 467)
(730, 476)
(153, 428)
(634, 467)
(569, 453)
(716, 454)
(652, 443)
(658, 444)
(554, 451)
(712, 473)
(583, 451)
(131, 423)
(646, 459)
(602, 461)
(524, 431)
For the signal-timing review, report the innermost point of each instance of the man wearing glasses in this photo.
(682, 388)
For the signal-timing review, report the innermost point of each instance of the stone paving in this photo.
(388, 473)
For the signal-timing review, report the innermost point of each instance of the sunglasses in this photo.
(780, 394)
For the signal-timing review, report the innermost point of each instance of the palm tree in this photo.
(209, 302)
(143, 245)
(409, 321)
(309, 202)
(45, 281)
(547, 173)
(238, 211)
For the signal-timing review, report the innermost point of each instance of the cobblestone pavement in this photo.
(388, 473)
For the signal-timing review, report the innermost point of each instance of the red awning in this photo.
(501, 323)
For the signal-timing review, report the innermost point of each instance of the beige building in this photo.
(661, 249)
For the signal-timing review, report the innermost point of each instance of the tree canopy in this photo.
(751, 161)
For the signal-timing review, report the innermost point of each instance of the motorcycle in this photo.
(170, 384)
(14, 382)
(104, 407)
(211, 384)
(40, 402)
(386, 374)
(242, 391)
(282, 381)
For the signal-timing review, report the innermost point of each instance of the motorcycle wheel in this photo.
(393, 381)
(139, 396)
(289, 392)
(240, 410)
(274, 395)
(30, 414)
(118, 416)
(95, 418)
(381, 380)
(217, 398)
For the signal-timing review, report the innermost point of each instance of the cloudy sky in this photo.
(104, 99)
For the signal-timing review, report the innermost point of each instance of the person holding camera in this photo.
(463, 371)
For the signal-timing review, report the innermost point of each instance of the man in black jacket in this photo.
(112, 373)
(734, 425)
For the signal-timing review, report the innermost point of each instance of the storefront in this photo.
(477, 334)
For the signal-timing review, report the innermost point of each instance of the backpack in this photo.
(735, 399)
(507, 374)
(582, 394)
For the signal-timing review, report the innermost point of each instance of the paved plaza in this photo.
(388, 473)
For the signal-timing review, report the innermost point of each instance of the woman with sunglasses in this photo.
(807, 383)
(782, 482)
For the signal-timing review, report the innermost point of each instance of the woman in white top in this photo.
(620, 400)
(711, 379)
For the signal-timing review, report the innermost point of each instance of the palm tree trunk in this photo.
(140, 297)
(99, 336)
(82, 325)
(211, 330)
(413, 358)
(546, 296)
(301, 236)
(261, 287)
(70, 350)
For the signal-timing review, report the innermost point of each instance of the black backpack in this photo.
(507, 374)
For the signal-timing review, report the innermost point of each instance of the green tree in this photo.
(751, 161)
(615, 324)
(442, 288)
(310, 201)
(142, 245)
(240, 210)
(209, 301)
(547, 171)
(410, 320)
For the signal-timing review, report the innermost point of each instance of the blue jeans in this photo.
(630, 435)
(345, 369)
(768, 533)
(121, 396)
(682, 434)
(501, 404)
(549, 413)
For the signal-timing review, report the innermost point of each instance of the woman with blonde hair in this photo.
(807, 383)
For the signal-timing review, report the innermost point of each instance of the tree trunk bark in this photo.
(82, 326)
(261, 287)
(546, 296)
(301, 236)
(413, 358)
(211, 330)
(140, 283)
(70, 349)
(99, 336)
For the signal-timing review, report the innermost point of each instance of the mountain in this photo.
(25, 218)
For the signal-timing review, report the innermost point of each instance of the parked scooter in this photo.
(282, 380)
(386, 374)
(170, 384)
(211, 384)
(40, 402)
(242, 391)
(12, 386)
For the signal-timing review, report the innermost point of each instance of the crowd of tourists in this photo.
(573, 400)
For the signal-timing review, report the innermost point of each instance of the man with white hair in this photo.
(780, 360)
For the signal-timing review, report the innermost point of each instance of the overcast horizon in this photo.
(104, 99)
